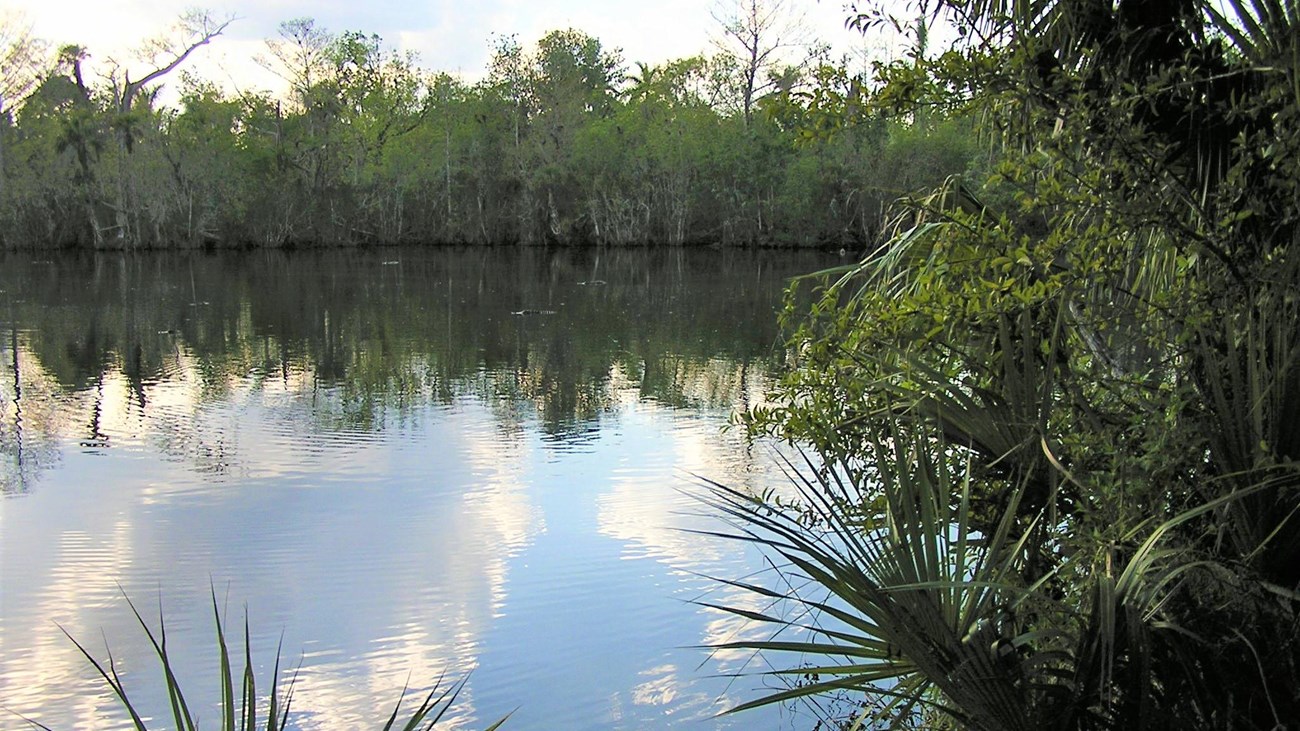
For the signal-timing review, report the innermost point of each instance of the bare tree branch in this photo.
(760, 30)
(22, 58)
(199, 29)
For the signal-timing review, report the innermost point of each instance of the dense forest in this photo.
(562, 142)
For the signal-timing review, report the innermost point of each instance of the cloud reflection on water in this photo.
(456, 505)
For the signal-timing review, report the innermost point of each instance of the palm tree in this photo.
(643, 82)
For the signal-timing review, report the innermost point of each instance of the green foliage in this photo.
(558, 144)
(1091, 349)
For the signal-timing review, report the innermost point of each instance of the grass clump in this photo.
(251, 712)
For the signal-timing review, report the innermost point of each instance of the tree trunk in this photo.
(4, 125)
(125, 202)
(204, 31)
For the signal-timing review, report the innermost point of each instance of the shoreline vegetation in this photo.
(561, 143)
(1054, 453)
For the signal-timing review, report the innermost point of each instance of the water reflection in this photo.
(460, 460)
(364, 337)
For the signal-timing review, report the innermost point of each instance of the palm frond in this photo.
(912, 601)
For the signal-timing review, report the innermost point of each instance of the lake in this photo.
(400, 463)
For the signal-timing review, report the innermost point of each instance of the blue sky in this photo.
(448, 35)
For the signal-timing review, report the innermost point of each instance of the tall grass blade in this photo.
(110, 677)
(248, 703)
(279, 699)
(176, 698)
(227, 676)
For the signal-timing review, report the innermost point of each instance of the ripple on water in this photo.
(501, 498)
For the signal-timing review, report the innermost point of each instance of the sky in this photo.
(448, 35)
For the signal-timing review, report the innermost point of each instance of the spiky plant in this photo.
(931, 621)
(242, 713)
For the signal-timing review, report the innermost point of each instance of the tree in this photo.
(758, 32)
(379, 97)
(574, 79)
(299, 56)
(643, 81)
(568, 80)
(21, 62)
(1054, 413)
(646, 160)
(208, 165)
(162, 55)
(350, 100)
(60, 136)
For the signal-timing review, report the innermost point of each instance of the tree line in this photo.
(561, 142)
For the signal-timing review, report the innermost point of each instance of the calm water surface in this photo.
(402, 463)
